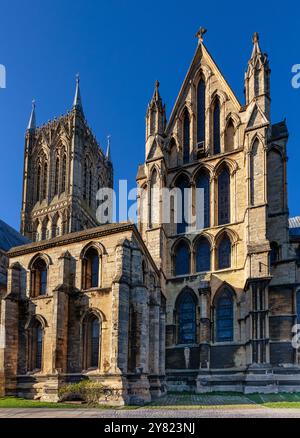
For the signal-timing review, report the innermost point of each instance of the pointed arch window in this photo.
(203, 200)
(45, 181)
(229, 136)
(224, 197)
(91, 269)
(183, 203)
(217, 127)
(56, 176)
(63, 174)
(91, 341)
(38, 183)
(224, 316)
(182, 259)
(201, 111)
(186, 318)
(224, 253)
(256, 81)
(35, 346)
(39, 274)
(85, 174)
(90, 184)
(154, 213)
(186, 137)
(203, 249)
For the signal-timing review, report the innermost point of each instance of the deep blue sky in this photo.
(120, 47)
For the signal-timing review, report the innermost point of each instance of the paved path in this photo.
(247, 412)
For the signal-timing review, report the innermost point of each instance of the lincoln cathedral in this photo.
(157, 306)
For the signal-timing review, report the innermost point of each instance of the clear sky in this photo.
(120, 47)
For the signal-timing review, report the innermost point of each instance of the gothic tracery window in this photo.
(39, 273)
(216, 127)
(224, 253)
(38, 183)
(182, 204)
(203, 200)
(182, 258)
(186, 317)
(224, 316)
(56, 176)
(63, 174)
(201, 111)
(35, 346)
(45, 181)
(91, 269)
(91, 341)
(203, 263)
(186, 137)
(229, 136)
(224, 197)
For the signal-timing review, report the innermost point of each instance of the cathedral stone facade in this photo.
(196, 303)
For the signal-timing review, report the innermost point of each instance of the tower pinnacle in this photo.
(32, 121)
(77, 104)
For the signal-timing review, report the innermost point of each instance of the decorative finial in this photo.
(255, 38)
(200, 34)
(157, 84)
(77, 78)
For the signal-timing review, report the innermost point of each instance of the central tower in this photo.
(64, 168)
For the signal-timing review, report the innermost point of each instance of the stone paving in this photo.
(202, 399)
(255, 412)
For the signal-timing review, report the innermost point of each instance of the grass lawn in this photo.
(216, 400)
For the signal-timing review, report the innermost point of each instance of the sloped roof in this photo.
(294, 225)
(9, 237)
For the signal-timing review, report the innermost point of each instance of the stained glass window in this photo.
(39, 346)
(63, 174)
(38, 183)
(182, 212)
(224, 253)
(182, 259)
(186, 311)
(203, 197)
(56, 176)
(45, 181)
(201, 111)
(35, 344)
(186, 137)
(217, 132)
(224, 317)
(224, 197)
(95, 334)
(39, 278)
(203, 255)
(91, 264)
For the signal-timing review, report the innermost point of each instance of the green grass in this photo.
(19, 403)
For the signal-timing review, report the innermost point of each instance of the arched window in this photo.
(186, 137)
(56, 176)
(45, 181)
(256, 81)
(35, 346)
(274, 254)
(203, 255)
(217, 128)
(224, 316)
(229, 136)
(224, 253)
(186, 318)
(203, 200)
(91, 269)
(201, 111)
(173, 153)
(39, 278)
(224, 197)
(182, 213)
(63, 174)
(298, 306)
(91, 341)
(154, 200)
(182, 259)
(38, 183)
(90, 187)
(85, 175)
